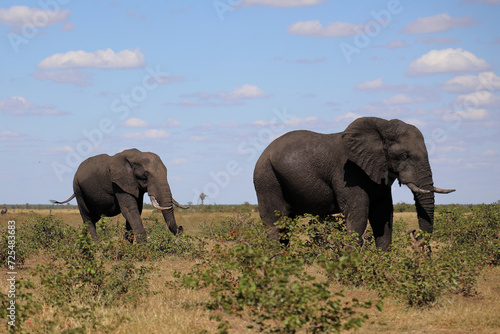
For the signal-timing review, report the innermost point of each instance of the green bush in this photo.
(45, 232)
(80, 283)
(473, 232)
(253, 278)
(404, 207)
(413, 274)
(161, 242)
(25, 306)
(36, 234)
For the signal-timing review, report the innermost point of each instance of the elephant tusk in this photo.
(416, 189)
(443, 191)
(155, 204)
(179, 205)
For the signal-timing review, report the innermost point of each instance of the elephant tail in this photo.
(66, 201)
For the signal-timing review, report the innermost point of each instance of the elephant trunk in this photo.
(424, 202)
(169, 217)
(165, 204)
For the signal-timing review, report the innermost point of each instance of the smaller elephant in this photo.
(108, 185)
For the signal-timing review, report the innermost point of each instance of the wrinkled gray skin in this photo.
(349, 172)
(107, 185)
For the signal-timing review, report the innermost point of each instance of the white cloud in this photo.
(58, 150)
(19, 16)
(10, 136)
(171, 123)
(178, 161)
(378, 85)
(135, 123)
(490, 153)
(490, 2)
(350, 116)
(316, 29)
(197, 138)
(148, 134)
(436, 40)
(437, 23)
(245, 92)
(165, 79)
(72, 76)
(397, 44)
(294, 121)
(450, 148)
(233, 98)
(479, 98)
(68, 26)
(279, 3)
(18, 105)
(446, 61)
(97, 59)
(416, 122)
(369, 85)
(468, 83)
(262, 123)
(311, 61)
(472, 114)
(403, 99)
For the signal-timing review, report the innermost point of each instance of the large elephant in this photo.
(349, 172)
(107, 185)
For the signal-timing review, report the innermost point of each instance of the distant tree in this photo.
(202, 197)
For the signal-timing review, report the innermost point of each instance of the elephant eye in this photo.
(403, 157)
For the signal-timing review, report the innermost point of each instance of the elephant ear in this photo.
(122, 174)
(364, 145)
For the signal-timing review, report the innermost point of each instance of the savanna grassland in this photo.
(223, 275)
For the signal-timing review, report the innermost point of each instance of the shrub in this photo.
(80, 283)
(252, 278)
(25, 306)
(411, 273)
(474, 233)
(162, 243)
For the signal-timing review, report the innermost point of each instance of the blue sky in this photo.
(208, 84)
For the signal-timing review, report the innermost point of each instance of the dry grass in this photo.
(455, 314)
(181, 311)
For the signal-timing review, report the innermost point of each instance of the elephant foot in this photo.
(129, 236)
(141, 239)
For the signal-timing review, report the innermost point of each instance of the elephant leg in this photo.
(271, 200)
(87, 218)
(356, 215)
(381, 217)
(92, 229)
(129, 233)
(130, 210)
